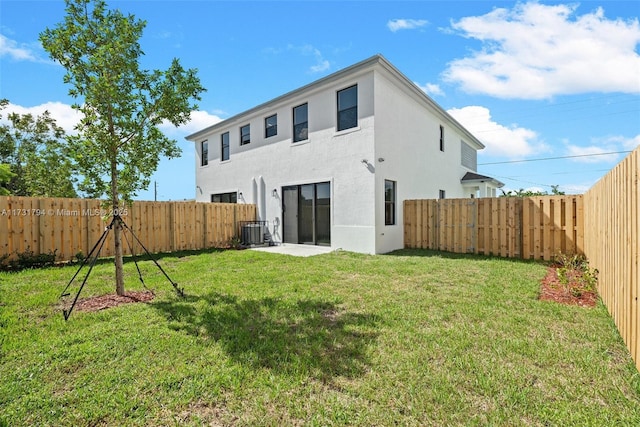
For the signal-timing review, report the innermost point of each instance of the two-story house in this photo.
(330, 163)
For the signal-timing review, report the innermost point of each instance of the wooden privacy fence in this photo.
(528, 228)
(70, 226)
(612, 245)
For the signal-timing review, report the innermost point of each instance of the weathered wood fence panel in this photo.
(71, 226)
(529, 228)
(612, 224)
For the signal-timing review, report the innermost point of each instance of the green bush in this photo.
(575, 274)
(26, 260)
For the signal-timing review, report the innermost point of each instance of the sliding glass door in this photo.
(307, 214)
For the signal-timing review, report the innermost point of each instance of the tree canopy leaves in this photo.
(119, 145)
(36, 156)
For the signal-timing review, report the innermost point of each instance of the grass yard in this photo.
(414, 338)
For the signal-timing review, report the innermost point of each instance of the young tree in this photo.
(119, 144)
(35, 151)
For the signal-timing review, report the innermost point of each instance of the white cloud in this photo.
(65, 116)
(308, 50)
(512, 141)
(431, 89)
(597, 152)
(405, 24)
(199, 120)
(20, 51)
(592, 154)
(14, 51)
(537, 51)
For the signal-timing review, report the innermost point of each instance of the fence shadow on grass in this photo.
(426, 253)
(315, 337)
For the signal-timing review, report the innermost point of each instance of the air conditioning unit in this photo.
(252, 234)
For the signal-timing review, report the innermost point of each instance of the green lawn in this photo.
(413, 338)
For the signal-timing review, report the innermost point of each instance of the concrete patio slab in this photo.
(294, 250)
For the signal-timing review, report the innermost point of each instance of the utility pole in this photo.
(155, 191)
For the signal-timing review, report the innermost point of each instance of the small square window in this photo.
(245, 134)
(441, 194)
(271, 126)
(204, 153)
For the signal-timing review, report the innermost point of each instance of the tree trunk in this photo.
(117, 228)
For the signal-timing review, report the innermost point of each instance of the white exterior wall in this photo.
(407, 137)
(261, 166)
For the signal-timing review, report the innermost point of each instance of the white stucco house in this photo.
(330, 163)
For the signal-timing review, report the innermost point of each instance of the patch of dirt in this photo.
(102, 302)
(551, 289)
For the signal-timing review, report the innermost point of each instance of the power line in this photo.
(555, 158)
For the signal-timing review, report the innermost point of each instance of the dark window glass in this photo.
(441, 138)
(271, 126)
(225, 198)
(245, 134)
(441, 194)
(348, 108)
(204, 153)
(389, 202)
(300, 123)
(224, 146)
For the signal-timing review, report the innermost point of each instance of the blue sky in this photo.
(532, 80)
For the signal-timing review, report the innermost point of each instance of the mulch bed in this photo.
(551, 289)
(103, 302)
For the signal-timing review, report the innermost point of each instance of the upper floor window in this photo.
(348, 108)
(300, 123)
(271, 126)
(225, 198)
(245, 134)
(441, 138)
(469, 156)
(389, 202)
(204, 153)
(224, 146)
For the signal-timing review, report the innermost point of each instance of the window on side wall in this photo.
(389, 202)
(300, 123)
(271, 126)
(204, 153)
(225, 198)
(245, 134)
(224, 146)
(348, 108)
(468, 156)
(441, 194)
(441, 138)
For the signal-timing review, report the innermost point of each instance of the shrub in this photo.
(575, 274)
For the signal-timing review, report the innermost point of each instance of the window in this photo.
(224, 146)
(204, 153)
(271, 126)
(389, 202)
(441, 138)
(224, 198)
(300, 123)
(348, 108)
(441, 194)
(245, 134)
(469, 156)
